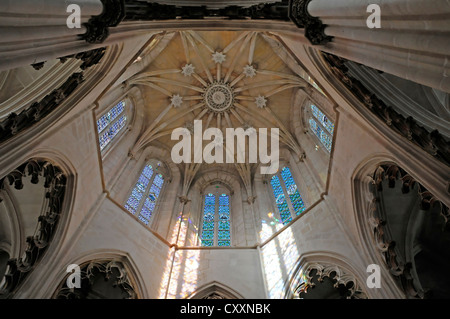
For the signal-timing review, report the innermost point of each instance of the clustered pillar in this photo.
(34, 31)
(412, 42)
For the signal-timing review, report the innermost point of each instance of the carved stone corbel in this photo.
(314, 28)
(251, 200)
(98, 26)
(183, 199)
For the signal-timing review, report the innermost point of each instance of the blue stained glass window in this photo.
(154, 192)
(159, 180)
(325, 135)
(148, 171)
(144, 195)
(208, 220)
(208, 234)
(111, 123)
(224, 200)
(292, 190)
(210, 199)
(280, 199)
(326, 141)
(282, 194)
(207, 225)
(223, 234)
(327, 124)
(142, 219)
(207, 243)
(224, 225)
(149, 204)
(216, 229)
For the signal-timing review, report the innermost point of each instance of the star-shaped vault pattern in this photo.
(221, 91)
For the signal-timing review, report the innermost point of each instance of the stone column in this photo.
(33, 31)
(412, 43)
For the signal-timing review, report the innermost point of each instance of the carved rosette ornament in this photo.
(314, 28)
(219, 96)
(111, 271)
(55, 184)
(98, 26)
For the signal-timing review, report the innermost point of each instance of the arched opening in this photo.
(324, 281)
(145, 196)
(411, 227)
(98, 279)
(216, 218)
(31, 203)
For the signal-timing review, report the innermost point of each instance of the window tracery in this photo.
(144, 196)
(216, 221)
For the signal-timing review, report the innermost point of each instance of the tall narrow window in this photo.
(216, 220)
(287, 197)
(145, 194)
(111, 123)
(322, 127)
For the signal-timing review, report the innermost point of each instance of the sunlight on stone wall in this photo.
(279, 258)
(181, 270)
(190, 272)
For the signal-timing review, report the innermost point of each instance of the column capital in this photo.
(184, 199)
(98, 26)
(314, 28)
(251, 200)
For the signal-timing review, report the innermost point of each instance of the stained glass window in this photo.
(145, 194)
(292, 191)
(286, 195)
(329, 126)
(322, 127)
(111, 123)
(216, 220)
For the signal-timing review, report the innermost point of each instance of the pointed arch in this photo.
(57, 180)
(146, 194)
(395, 215)
(215, 290)
(129, 280)
(312, 269)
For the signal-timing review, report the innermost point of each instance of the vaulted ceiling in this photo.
(224, 78)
